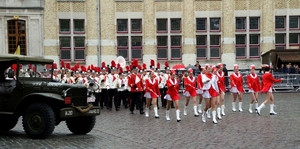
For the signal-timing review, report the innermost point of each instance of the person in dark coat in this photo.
(226, 75)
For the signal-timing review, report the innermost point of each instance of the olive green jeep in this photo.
(28, 90)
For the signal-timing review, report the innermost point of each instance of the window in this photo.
(122, 25)
(280, 41)
(16, 36)
(240, 46)
(294, 22)
(280, 22)
(215, 46)
(65, 48)
(254, 23)
(294, 38)
(175, 47)
(161, 25)
(175, 25)
(136, 49)
(254, 45)
(136, 25)
(122, 46)
(162, 47)
(240, 23)
(215, 24)
(72, 39)
(201, 46)
(78, 26)
(64, 26)
(201, 24)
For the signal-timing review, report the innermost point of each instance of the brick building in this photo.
(180, 31)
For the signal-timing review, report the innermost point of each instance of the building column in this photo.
(267, 26)
(228, 35)
(188, 34)
(149, 32)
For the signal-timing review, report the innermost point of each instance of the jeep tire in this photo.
(8, 123)
(39, 121)
(81, 125)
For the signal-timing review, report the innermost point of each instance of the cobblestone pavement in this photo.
(120, 129)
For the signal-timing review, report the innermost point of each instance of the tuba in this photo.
(121, 60)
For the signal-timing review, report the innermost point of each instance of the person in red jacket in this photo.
(190, 91)
(267, 86)
(236, 87)
(222, 90)
(199, 89)
(173, 95)
(152, 92)
(254, 87)
(136, 84)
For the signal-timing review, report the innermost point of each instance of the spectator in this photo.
(281, 69)
(226, 75)
(296, 69)
(198, 65)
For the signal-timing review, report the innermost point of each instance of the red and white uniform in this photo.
(199, 84)
(71, 80)
(152, 90)
(267, 82)
(135, 82)
(221, 82)
(210, 87)
(253, 83)
(190, 86)
(173, 88)
(236, 83)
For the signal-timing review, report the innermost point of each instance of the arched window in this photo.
(16, 35)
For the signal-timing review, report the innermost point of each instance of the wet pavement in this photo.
(120, 129)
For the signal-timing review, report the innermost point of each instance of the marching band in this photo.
(139, 88)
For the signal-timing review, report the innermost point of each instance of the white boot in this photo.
(155, 112)
(223, 110)
(214, 117)
(256, 105)
(259, 108)
(167, 115)
(178, 115)
(199, 108)
(240, 107)
(184, 110)
(272, 112)
(233, 107)
(250, 108)
(204, 116)
(219, 113)
(195, 111)
(208, 113)
(147, 112)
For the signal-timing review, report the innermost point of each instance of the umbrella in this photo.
(179, 67)
(191, 66)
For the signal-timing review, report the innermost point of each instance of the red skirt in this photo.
(213, 92)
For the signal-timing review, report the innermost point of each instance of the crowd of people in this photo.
(141, 88)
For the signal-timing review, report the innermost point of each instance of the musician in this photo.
(112, 80)
(254, 87)
(236, 87)
(173, 95)
(152, 93)
(136, 84)
(222, 90)
(122, 88)
(199, 89)
(96, 79)
(167, 76)
(267, 87)
(104, 88)
(190, 91)
(161, 85)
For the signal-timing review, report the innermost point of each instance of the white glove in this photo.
(107, 87)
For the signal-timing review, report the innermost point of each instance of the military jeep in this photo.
(28, 90)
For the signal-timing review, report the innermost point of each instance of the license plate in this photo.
(94, 111)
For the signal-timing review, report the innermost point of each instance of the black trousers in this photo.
(123, 98)
(136, 100)
(97, 96)
(104, 98)
(163, 93)
(113, 95)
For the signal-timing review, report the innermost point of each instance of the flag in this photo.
(18, 51)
